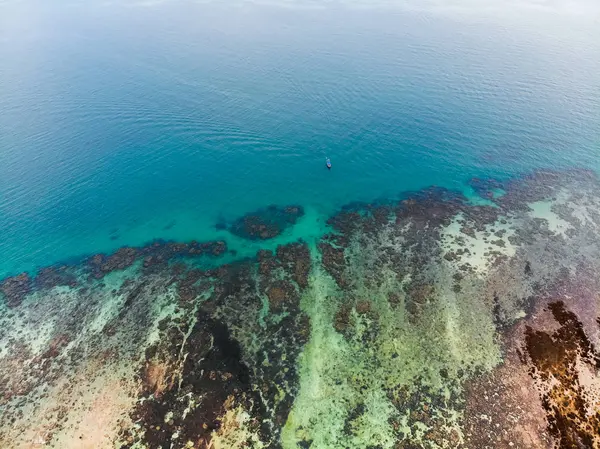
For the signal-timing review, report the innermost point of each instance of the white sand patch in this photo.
(109, 308)
(101, 409)
(111, 303)
(543, 210)
(81, 411)
(589, 380)
(483, 247)
(568, 210)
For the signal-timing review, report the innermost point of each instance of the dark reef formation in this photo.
(217, 374)
(157, 253)
(213, 375)
(267, 223)
(15, 289)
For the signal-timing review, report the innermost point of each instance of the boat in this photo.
(328, 163)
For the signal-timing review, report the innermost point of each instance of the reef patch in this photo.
(14, 289)
(156, 253)
(267, 223)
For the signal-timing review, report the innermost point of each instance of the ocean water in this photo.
(125, 122)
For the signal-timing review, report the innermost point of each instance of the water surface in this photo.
(121, 123)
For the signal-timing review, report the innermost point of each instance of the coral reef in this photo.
(266, 223)
(14, 289)
(425, 322)
(157, 253)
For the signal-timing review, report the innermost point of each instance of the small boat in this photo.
(328, 163)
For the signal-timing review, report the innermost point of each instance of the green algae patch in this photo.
(372, 377)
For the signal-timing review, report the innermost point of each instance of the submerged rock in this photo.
(155, 254)
(50, 277)
(266, 223)
(15, 289)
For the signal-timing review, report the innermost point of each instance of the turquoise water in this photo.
(124, 123)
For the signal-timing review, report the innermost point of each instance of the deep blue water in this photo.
(156, 121)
